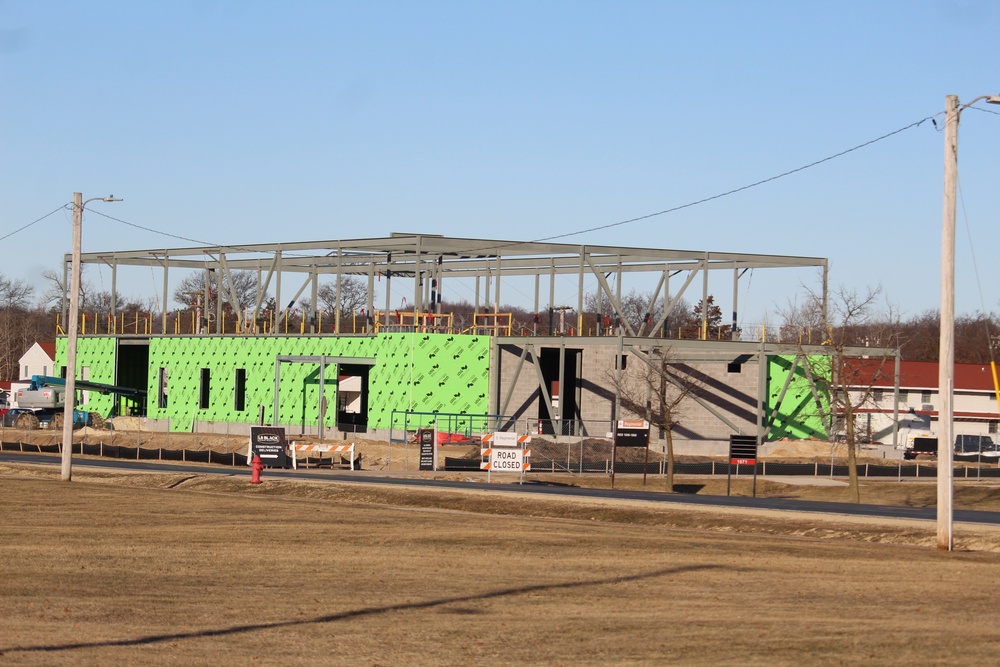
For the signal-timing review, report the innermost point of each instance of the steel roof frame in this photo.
(428, 259)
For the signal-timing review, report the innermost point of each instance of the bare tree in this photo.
(656, 390)
(803, 319)
(843, 382)
(641, 311)
(243, 285)
(353, 295)
(100, 303)
(15, 293)
(20, 328)
(57, 289)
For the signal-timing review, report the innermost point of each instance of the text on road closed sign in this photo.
(507, 460)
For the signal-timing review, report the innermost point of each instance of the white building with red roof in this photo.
(976, 410)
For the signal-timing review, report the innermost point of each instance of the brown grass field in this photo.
(195, 570)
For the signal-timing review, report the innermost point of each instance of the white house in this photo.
(40, 359)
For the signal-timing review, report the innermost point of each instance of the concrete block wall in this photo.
(732, 394)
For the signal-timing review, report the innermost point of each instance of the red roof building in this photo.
(976, 410)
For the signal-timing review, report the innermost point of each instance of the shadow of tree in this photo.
(361, 613)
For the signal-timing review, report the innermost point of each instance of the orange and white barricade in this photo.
(296, 448)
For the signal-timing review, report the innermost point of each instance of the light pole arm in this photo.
(990, 99)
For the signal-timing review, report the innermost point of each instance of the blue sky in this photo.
(257, 122)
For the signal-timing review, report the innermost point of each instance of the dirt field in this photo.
(179, 569)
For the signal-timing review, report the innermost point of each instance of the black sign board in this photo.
(632, 433)
(743, 450)
(268, 442)
(425, 437)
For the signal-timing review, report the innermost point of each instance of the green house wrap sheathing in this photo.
(797, 417)
(95, 361)
(412, 371)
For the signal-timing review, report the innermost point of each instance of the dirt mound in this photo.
(803, 449)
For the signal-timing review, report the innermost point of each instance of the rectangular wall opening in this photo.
(352, 398)
(132, 370)
(240, 390)
(161, 388)
(204, 388)
(565, 396)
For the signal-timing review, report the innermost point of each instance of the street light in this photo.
(946, 357)
(69, 400)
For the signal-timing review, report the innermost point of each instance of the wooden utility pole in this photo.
(946, 357)
(72, 332)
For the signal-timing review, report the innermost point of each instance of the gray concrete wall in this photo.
(732, 394)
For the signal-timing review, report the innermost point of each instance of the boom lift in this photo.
(41, 404)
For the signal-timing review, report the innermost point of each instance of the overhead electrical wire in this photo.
(975, 270)
(982, 303)
(156, 231)
(33, 222)
(611, 225)
(742, 188)
(728, 192)
(620, 223)
(985, 110)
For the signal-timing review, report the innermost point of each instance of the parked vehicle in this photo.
(916, 443)
(975, 444)
(924, 442)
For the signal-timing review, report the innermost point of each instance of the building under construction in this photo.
(235, 360)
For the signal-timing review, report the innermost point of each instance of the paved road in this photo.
(529, 487)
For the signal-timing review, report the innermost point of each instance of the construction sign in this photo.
(632, 433)
(268, 442)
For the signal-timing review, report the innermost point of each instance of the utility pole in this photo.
(72, 333)
(946, 356)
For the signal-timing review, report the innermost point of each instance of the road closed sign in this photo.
(507, 460)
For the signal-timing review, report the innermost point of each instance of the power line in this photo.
(21, 229)
(975, 271)
(184, 238)
(156, 231)
(611, 225)
(739, 189)
(995, 113)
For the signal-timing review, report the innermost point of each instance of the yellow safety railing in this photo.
(500, 324)
(416, 321)
(186, 322)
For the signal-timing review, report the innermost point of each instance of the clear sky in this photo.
(233, 122)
